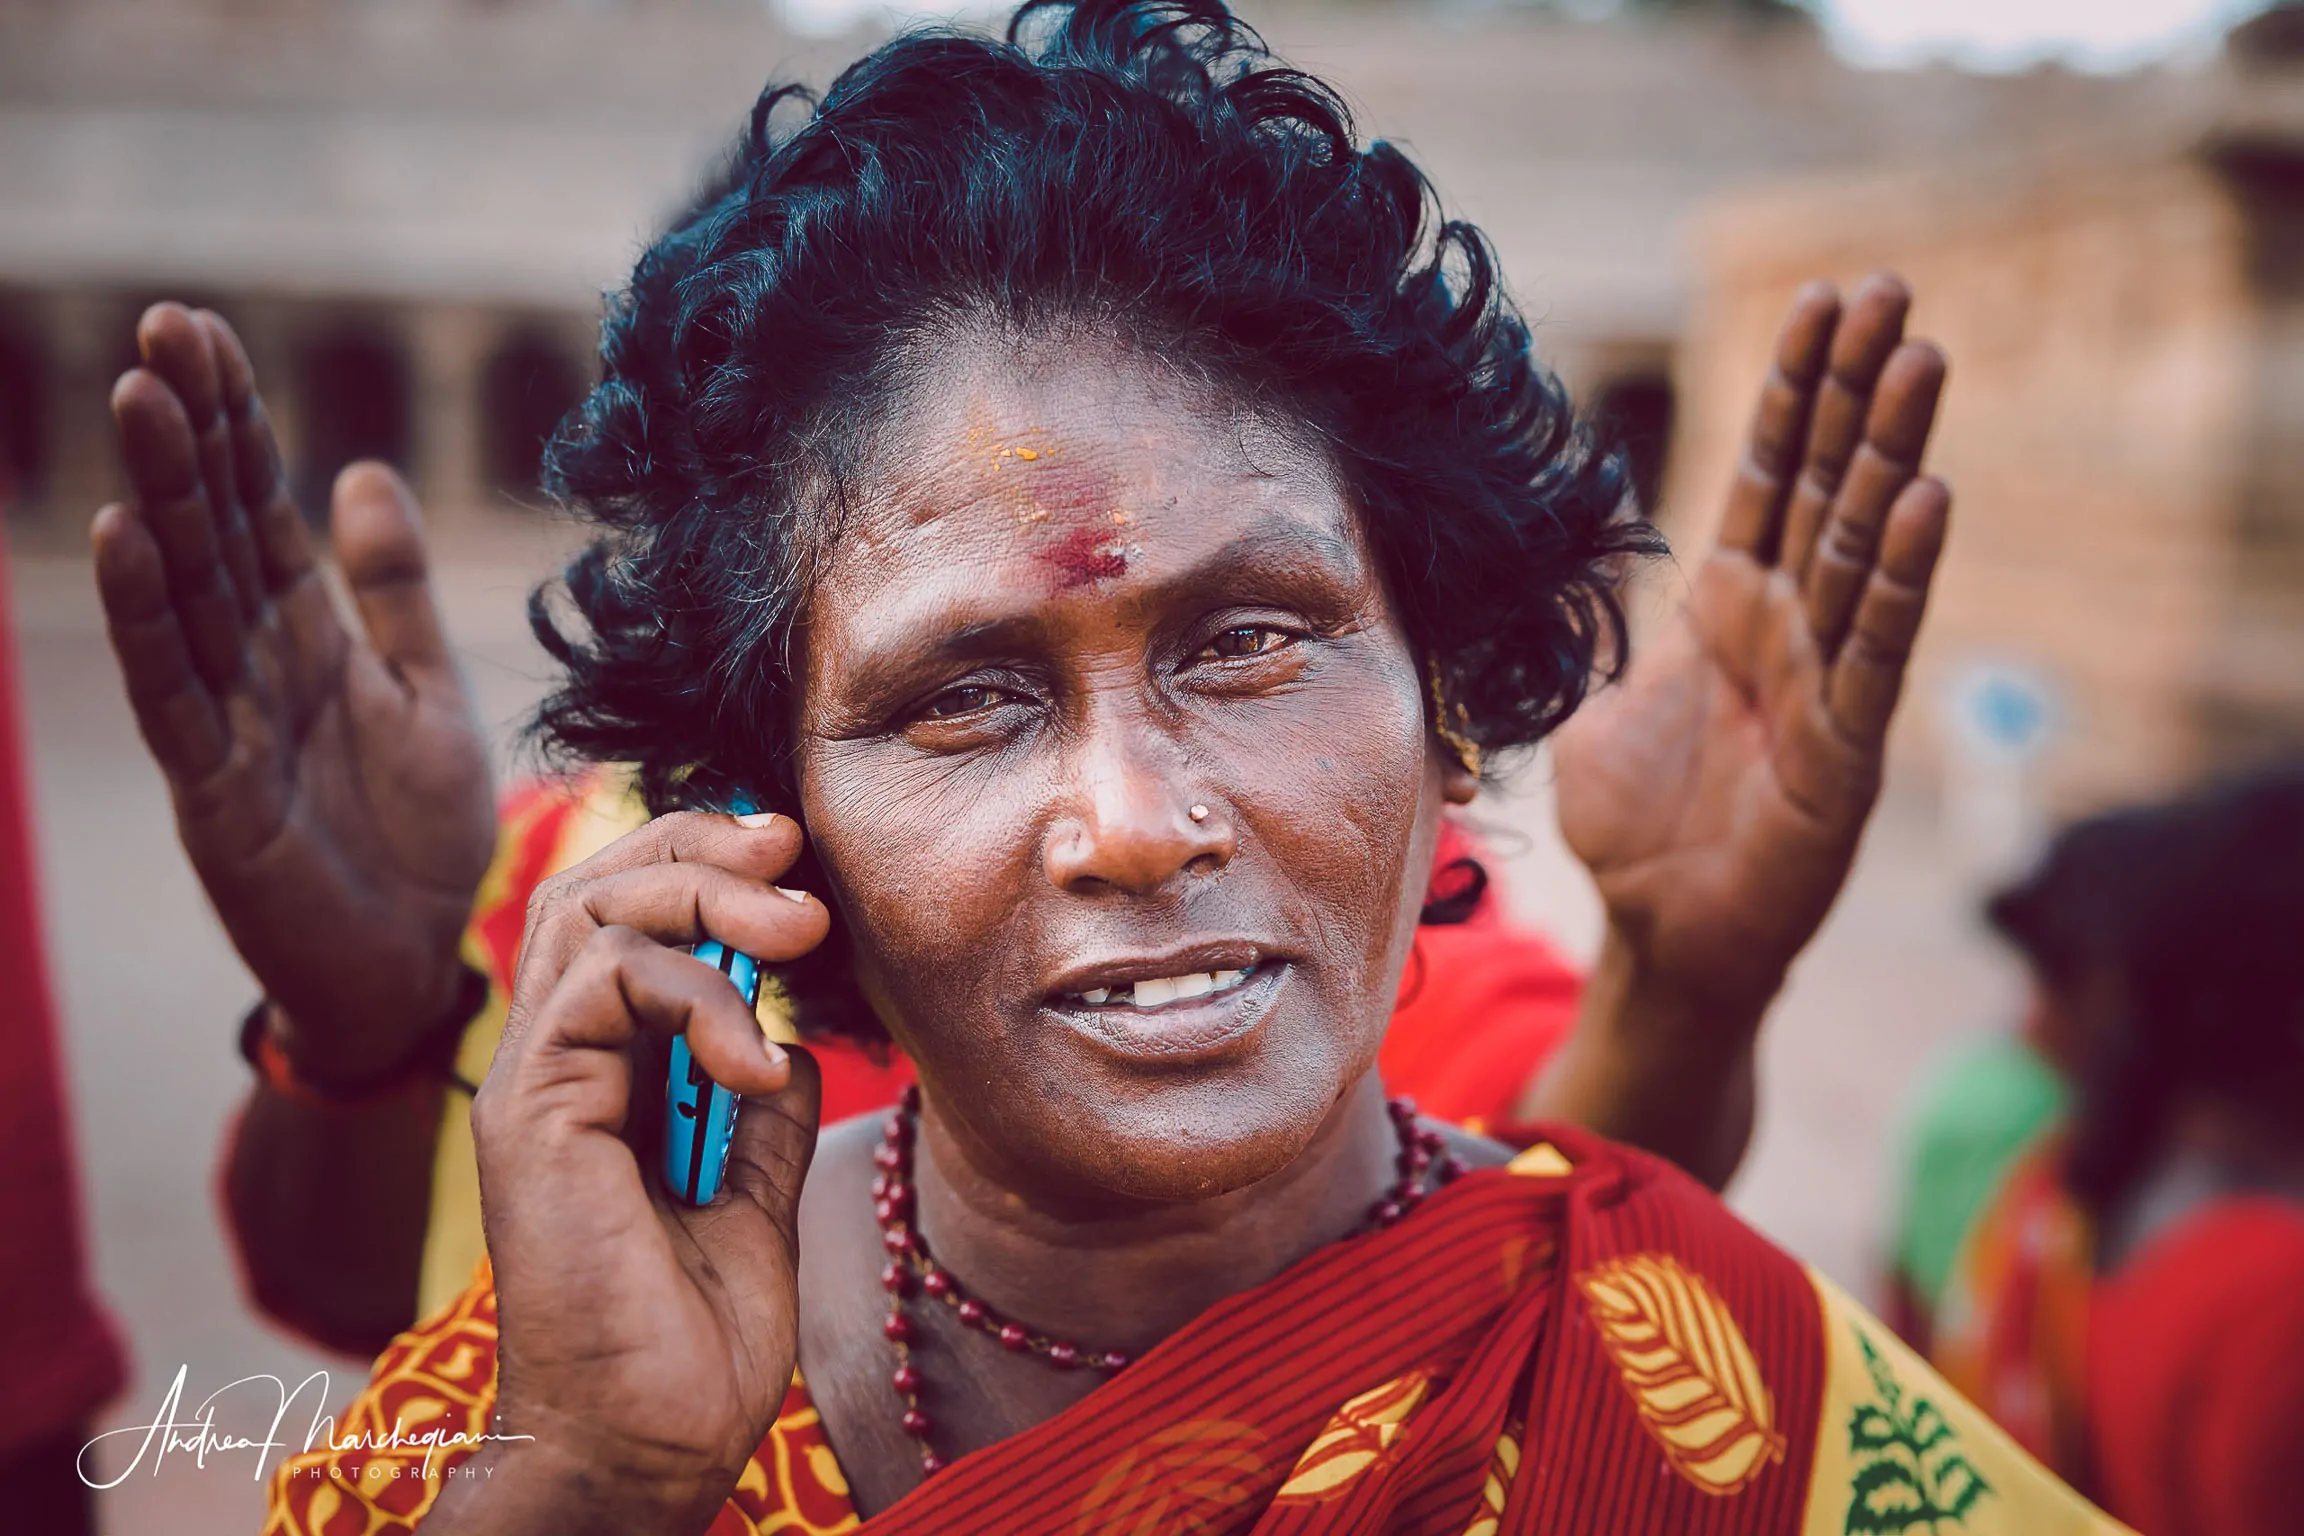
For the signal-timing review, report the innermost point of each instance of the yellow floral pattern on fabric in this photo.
(1355, 1440)
(1692, 1377)
(436, 1384)
(434, 1388)
(793, 1485)
(1503, 1466)
(1189, 1478)
(1899, 1451)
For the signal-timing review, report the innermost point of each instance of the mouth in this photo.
(1174, 1010)
(1160, 991)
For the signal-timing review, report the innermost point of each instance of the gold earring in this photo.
(1451, 722)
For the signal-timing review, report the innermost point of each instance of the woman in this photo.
(1074, 482)
(2129, 1300)
(2078, 920)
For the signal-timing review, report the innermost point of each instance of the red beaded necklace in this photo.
(910, 1265)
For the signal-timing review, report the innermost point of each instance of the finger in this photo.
(313, 637)
(752, 1234)
(572, 1065)
(283, 545)
(761, 846)
(1895, 435)
(178, 717)
(1754, 520)
(380, 544)
(178, 347)
(684, 903)
(1873, 327)
(705, 875)
(1868, 675)
(164, 467)
(550, 1123)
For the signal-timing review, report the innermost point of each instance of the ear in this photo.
(1458, 784)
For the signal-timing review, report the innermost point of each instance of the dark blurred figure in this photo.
(59, 1358)
(2127, 1292)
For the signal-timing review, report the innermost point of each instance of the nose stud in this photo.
(1199, 813)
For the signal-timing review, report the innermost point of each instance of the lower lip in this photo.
(1182, 1033)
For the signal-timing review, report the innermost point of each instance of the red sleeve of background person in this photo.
(1482, 1006)
(59, 1358)
(2195, 1392)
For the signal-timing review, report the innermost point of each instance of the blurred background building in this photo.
(411, 208)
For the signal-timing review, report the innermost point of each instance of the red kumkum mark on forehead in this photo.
(1083, 556)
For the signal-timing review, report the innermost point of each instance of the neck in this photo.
(1125, 1275)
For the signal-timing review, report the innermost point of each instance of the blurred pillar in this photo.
(450, 346)
(89, 338)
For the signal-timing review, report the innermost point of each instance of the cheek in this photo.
(924, 862)
(1337, 793)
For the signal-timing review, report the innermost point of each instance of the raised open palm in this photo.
(331, 787)
(1718, 791)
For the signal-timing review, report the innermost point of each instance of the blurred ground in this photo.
(151, 991)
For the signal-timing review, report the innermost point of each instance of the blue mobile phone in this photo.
(699, 1114)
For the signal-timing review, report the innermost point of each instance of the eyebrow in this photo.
(1292, 552)
(1289, 550)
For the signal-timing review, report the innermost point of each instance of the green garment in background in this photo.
(1985, 1106)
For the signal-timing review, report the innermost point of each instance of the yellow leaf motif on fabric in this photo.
(1541, 1161)
(1525, 1259)
(1189, 1478)
(1503, 1466)
(1691, 1375)
(1355, 1440)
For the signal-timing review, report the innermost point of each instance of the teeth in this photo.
(1154, 991)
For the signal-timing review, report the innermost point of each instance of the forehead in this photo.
(1017, 472)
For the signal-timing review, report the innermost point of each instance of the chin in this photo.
(1184, 1137)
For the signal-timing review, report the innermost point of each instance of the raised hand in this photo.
(645, 1346)
(1718, 791)
(331, 786)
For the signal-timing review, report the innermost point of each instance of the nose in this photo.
(1130, 823)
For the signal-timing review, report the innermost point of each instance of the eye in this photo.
(1248, 640)
(965, 700)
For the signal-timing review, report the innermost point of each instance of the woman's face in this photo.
(1116, 757)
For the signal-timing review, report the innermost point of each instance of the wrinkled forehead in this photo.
(1015, 472)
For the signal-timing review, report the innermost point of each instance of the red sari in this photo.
(1586, 1341)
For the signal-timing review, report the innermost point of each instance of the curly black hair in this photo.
(1142, 167)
